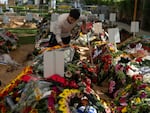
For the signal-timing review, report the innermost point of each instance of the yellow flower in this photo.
(124, 110)
(147, 88)
(37, 93)
(81, 34)
(104, 103)
(137, 100)
(34, 111)
(63, 95)
(62, 101)
(112, 49)
(128, 87)
(17, 99)
(66, 92)
(63, 108)
(124, 93)
(74, 91)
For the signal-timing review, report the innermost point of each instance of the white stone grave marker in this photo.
(97, 27)
(112, 17)
(1, 10)
(11, 10)
(102, 17)
(54, 16)
(6, 19)
(53, 4)
(134, 27)
(29, 17)
(114, 35)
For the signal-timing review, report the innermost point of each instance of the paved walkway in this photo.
(127, 27)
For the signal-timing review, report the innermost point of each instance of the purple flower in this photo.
(123, 81)
(143, 95)
(122, 101)
(118, 67)
(143, 86)
(116, 93)
(119, 108)
(112, 86)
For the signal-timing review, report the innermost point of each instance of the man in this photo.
(62, 29)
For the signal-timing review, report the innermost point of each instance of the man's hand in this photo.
(61, 44)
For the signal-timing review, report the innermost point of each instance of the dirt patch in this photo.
(20, 56)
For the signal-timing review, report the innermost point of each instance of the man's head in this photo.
(73, 16)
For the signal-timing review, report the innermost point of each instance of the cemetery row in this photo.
(61, 80)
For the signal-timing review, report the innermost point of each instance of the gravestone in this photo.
(97, 27)
(1, 10)
(11, 10)
(54, 18)
(112, 17)
(114, 35)
(53, 4)
(6, 19)
(29, 17)
(102, 17)
(134, 27)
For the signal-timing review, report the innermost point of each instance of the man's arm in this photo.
(58, 33)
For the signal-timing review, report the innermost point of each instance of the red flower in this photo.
(112, 86)
(87, 90)
(88, 81)
(92, 69)
(84, 65)
(57, 78)
(143, 86)
(73, 84)
(27, 109)
(106, 67)
(137, 77)
(2, 108)
(123, 101)
(138, 59)
(51, 101)
(127, 68)
(66, 83)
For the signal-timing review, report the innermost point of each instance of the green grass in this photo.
(25, 35)
(22, 30)
(26, 40)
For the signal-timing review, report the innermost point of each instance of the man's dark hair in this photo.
(75, 13)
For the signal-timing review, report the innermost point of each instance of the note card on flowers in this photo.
(112, 17)
(53, 63)
(114, 35)
(134, 26)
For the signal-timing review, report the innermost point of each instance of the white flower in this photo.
(68, 74)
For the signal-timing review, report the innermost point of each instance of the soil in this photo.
(20, 56)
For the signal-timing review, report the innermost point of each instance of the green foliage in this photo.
(126, 9)
(146, 16)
